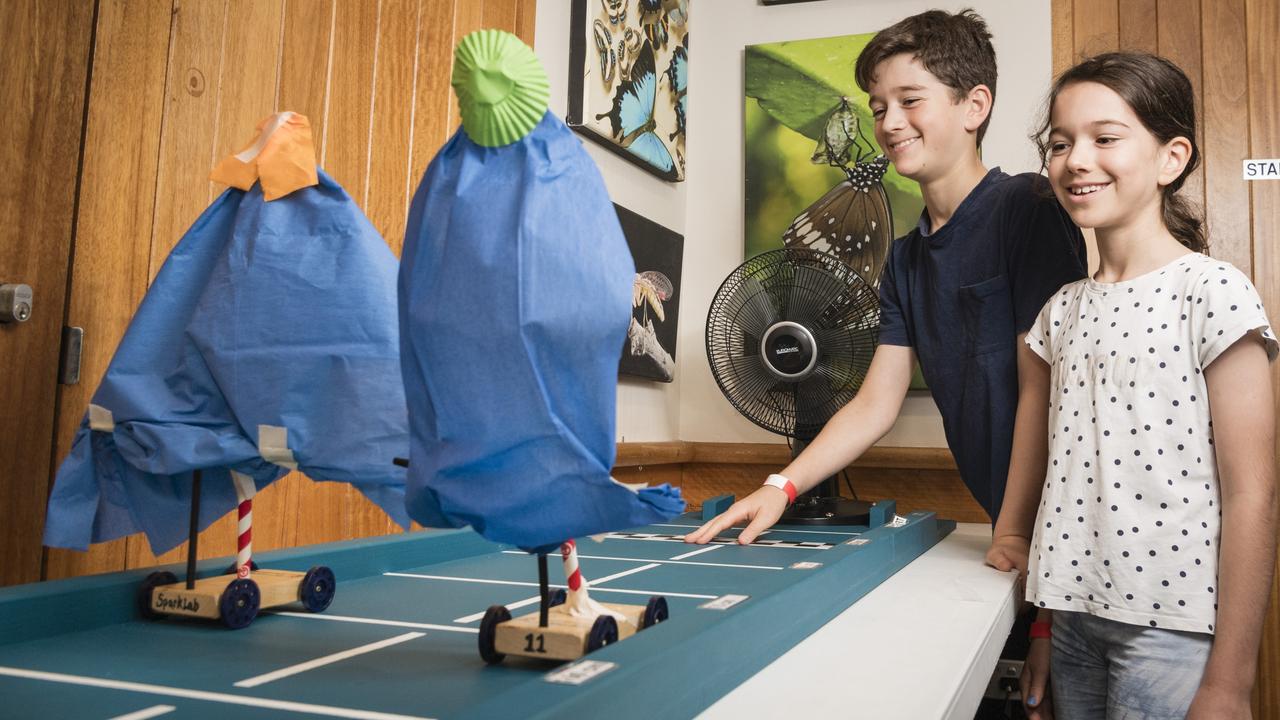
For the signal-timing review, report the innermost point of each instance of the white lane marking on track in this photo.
(326, 660)
(665, 562)
(699, 551)
(591, 585)
(375, 621)
(695, 596)
(776, 529)
(217, 697)
(147, 713)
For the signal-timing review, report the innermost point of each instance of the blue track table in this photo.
(400, 639)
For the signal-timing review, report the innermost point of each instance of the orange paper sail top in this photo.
(281, 156)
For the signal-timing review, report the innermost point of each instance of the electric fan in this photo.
(790, 335)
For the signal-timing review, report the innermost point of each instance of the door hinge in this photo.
(69, 358)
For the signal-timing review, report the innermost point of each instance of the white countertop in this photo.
(922, 645)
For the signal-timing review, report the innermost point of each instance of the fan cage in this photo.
(808, 287)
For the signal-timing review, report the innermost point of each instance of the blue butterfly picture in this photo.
(628, 83)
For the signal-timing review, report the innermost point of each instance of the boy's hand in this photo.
(761, 509)
(1035, 681)
(1213, 702)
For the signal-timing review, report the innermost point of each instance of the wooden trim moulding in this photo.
(678, 451)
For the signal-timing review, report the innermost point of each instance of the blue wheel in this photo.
(557, 597)
(317, 588)
(655, 612)
(494, 616)
(603, 632)
(239, 603)
(153, 581)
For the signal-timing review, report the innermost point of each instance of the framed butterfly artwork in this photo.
(628, 79)
(807, 122)
(658, 252)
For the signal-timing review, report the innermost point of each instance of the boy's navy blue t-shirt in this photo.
(960, 297)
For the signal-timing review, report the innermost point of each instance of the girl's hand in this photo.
(761, 509)
(1214, 702)
(1035, 681)
(1008, 552)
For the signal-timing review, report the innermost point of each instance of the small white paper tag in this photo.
(858, 541)
(805, 565)
(579, 672)
(724, 602)
(1262, 169)
(898, 521)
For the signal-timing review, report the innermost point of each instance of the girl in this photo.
(1152, 531)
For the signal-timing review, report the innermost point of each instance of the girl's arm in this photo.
(1243, 416)
(1011, 540)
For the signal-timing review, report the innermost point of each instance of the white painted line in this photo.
(696, 596)
(666, 562)
(591, 585)
(775, 529)
(217, 697)
(375, 621)
(699, 551)
(326, 660)
(147, 713)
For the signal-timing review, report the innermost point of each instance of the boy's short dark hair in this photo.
(955, 48)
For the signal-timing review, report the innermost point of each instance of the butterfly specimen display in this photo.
(628, 79)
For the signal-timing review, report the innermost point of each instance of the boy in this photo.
(959, 291)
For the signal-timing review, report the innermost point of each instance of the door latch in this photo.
(15, 302)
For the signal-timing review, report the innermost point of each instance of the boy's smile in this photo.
(918, 122)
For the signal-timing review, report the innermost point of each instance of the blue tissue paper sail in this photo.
(515, 297)
(267, 341)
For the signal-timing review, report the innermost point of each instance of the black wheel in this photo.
(153, 581)
(558, 596)
(654, 612)
(495, 615)
(317, 588)
(253, 567)
(603, 632)
(239, 603)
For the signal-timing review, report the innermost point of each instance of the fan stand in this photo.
(823, 505)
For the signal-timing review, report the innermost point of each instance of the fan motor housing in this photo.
(789, 351)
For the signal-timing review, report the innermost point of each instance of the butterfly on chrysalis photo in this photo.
(853, 220)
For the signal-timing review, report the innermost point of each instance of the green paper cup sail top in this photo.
(501, 86)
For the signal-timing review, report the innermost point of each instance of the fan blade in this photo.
(756, 313)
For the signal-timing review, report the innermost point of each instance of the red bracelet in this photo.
(1041, 629)
(782, 483)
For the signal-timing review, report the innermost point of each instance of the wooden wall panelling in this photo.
(526, 17)
(1180, 40)
(1263, 43)
(467, 18)
(387, 191)
(113, 227)
(500, 14)
(304, 62)
(1226, 131)
(1138, 25)
(1062, 13)
(1095, 28)
(433, 96)
(43, 62)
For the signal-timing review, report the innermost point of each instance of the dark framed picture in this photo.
(658, 252)
(628, 79)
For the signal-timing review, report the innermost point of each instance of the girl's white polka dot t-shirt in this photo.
(1129, 518)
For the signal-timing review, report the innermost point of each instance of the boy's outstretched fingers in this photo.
(714, 526)
(761, 509)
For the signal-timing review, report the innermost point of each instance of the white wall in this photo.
(708, 207)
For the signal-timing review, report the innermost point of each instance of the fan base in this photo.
(827, 511)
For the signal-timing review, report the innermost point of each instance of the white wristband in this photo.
(782, 483)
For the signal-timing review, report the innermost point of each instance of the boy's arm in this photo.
(1011, 540)
(1243, 419)
(856, 427)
